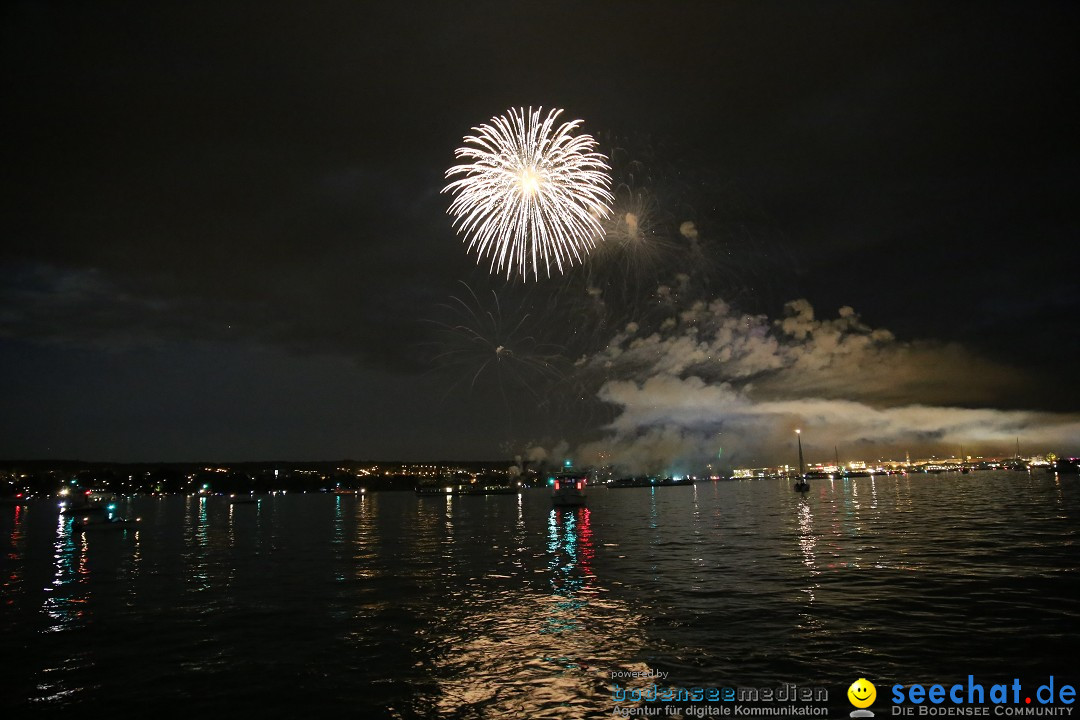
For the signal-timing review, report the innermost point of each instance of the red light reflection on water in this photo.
(15, 541)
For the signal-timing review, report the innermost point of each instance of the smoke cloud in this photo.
(713, 386)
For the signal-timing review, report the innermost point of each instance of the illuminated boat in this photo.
(467, 489)
(89, 523)
(636, 482)
(568, 490)
(434, 490)
(1066, 465)
(88, 503)
(486, 490)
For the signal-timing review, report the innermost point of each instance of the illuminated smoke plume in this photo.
(715, 386)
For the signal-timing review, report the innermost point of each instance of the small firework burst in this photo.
(476, 341)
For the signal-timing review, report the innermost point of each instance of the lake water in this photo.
(390, 605)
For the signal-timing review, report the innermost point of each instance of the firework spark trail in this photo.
(532, 192)
(495, 346)
(479, 340)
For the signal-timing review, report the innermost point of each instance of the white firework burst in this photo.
(531, 194)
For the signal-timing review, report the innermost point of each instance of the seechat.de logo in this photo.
(862, 694)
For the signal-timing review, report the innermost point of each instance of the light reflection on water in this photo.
(67, 606)
(390, 605)
(524, 650)
(13, 556)
(197, 535)
(366, 553)
(64, 605)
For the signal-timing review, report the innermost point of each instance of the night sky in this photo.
(225, 237)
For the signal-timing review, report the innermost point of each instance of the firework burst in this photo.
(480, 343)
(531, 193)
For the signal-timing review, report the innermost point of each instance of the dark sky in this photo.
(224, 236)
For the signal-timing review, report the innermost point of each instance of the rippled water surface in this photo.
(390, 605)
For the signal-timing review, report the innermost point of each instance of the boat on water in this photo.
(568, 489)
(87, 508)
(1062, 466)
(467, 489)
(89, 523)
(91, 502)
(433, 490)
(84, 510)
(242, 500)
(801, 485)
(634, 482)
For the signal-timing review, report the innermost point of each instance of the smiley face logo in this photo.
(862, 693)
